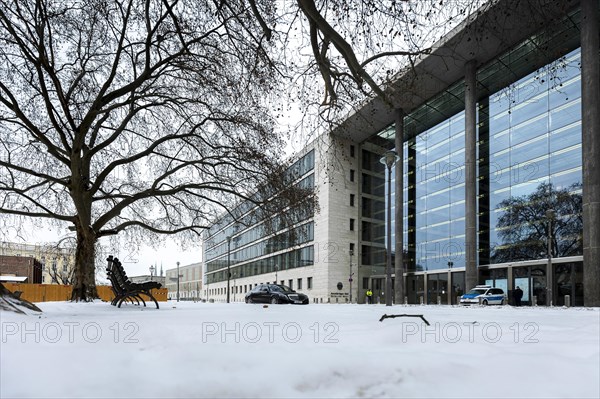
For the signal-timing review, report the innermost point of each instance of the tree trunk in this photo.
(84, 277)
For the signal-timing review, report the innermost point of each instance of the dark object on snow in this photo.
(518, 295)
(124, 289)
(12, 301)
(391, 316)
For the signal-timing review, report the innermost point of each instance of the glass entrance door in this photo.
(532, 280)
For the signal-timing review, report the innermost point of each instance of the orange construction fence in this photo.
(53, 292)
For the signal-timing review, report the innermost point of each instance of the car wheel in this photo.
(274, 300)
(502, 302)
(485, 302)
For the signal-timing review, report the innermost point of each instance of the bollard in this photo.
(568, 301)
(458, 299)
(480, 301)
(439, 300)
(421, 299)
(406, 300)
(534, 300)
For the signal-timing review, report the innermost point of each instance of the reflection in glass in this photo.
(523, 227)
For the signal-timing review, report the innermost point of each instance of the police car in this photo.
(484, 294)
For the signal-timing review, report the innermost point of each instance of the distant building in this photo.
(57, 262)
(20, 266)
(190, 282)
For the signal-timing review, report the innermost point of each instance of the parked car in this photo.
(275, 293)
(487, 294)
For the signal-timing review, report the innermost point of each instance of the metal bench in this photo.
(124, 289)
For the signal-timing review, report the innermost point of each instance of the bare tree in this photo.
(63, 250)
(131, 116)
(524, 225)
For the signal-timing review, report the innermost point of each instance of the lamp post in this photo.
(152, 269)
(178, 276)
(550, 215)
(228, 264)
(234, 285)
(350, 278)
(389, 159)
(276, 269)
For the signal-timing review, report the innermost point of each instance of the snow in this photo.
(187, 349)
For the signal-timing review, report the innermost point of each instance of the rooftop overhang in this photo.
(13, 279)
(495, 28)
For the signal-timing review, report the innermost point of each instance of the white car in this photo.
(484, 294)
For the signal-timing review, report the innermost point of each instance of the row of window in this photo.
(217, 245)
(244, 288)
(290, 260)
(288, 239)
(301, 167)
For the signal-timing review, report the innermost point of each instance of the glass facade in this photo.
(528, 178)
(534, 135)
(373, 192)
(252, 241)
(440, 195)
(529, 161)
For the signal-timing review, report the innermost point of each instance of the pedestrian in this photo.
(369, 295)
(517, 295)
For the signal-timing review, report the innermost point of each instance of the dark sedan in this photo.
(275, 293)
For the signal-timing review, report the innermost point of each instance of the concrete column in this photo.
(471, 277)
(590, 129)
(399, 214)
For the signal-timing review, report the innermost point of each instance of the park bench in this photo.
(124, 289)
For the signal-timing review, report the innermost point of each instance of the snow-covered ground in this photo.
(190, 349)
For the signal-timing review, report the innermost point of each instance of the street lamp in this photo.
(178, 281)
(228, 264)
(550, 215)
(276, 269)
(350, 278)
(234, 285)
(389, 159)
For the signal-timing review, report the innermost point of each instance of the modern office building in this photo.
(190, 282)
(498, 179)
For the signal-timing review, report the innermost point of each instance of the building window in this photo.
(352, 173)
(351, 249)
(352, 197)
(365, 283)
(291, 283)
(351, 224)
(299, 284)
(352, 151)
(309, 283)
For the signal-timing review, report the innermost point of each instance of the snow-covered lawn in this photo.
(190, 349)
